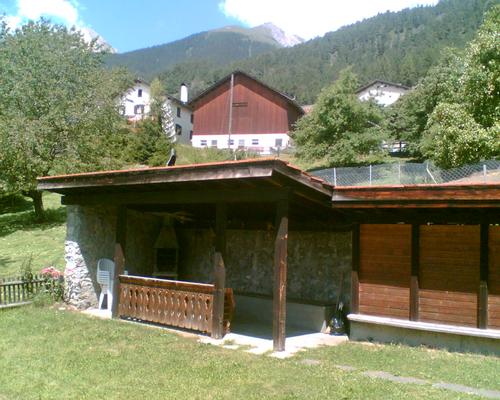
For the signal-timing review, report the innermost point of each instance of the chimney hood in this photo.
(167, 239)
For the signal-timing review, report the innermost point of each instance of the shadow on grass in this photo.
(14, 203)
(4, 262)
(10, 223)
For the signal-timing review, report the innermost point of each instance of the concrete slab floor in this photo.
(294, 344)
(254, 338)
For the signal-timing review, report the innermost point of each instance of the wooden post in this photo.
(280, 271)
(119, 257)
(355, 270)
(220, 228)
(218, 305)
(219, 271)
(482, 296)
(415, 264)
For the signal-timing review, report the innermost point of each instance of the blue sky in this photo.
(128, 25)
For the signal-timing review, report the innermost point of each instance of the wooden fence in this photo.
(181, 304)
(16, 291)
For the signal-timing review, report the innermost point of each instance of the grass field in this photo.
(52, 354)
(21, 238)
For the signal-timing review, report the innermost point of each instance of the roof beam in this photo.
(178, 197)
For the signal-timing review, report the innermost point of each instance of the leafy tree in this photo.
(341, 129)
(58, 108)
(407, 118)
(481, 78)
(468, 130)
(454, 138)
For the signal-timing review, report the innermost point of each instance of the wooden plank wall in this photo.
(494, 278)
(449, 274)
(384, 270)
(256, 109)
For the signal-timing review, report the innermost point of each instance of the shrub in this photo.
(53, 283)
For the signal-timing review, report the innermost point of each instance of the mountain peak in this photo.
(279, 35)
(89, 35)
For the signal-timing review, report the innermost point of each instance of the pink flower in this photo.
(53, 272)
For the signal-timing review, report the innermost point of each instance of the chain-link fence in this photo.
(411, 174)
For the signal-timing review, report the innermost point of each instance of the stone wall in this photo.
(315, 259)
(315, 262)
(91, 236)
(142, 231)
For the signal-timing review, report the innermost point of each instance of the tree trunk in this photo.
(37, 204)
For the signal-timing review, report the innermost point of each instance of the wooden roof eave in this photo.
(265, 179)
(418, 196)
(151, 176)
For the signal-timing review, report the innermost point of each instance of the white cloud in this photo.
(63, 11)
(310, 18)
(13, 21)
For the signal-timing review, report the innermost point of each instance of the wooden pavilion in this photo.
(424, 258)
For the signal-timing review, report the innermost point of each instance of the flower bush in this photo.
(53, 283)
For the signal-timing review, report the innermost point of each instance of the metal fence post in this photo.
(485, 172)
(370, 175)
(335, 176)
(399, 173)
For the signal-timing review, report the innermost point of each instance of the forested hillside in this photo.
(217, 48)
(394, 46)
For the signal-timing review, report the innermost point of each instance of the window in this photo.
(213, 143)
(255, 142)
(190, 135)
(139, 109)
(231, 142)
(241, 143)
(179, 112)
(178, 129)
(139, 93)
(203, 142)
(278, 143)
(192, 118)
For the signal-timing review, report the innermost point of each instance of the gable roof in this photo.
(286, 97)
(398, 85)
(213, 171)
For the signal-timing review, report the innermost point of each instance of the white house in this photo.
(136, 105)
(182, 116)
(384, 93)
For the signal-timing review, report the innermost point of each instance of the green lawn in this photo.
(22, 238)
(52, 354)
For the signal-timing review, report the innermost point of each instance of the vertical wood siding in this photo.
(449, 274)
(385, 269)
(494, 278)
(256, 109)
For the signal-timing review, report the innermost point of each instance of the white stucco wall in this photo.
(383, 94)
(184, 121)
(131, 99)
(266, 141)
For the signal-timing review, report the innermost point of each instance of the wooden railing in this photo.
(175, 303)
(16, 291)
